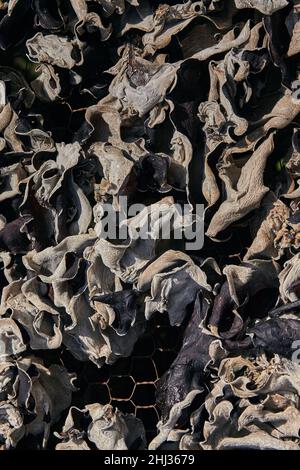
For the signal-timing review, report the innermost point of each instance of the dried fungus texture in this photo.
(148, 341)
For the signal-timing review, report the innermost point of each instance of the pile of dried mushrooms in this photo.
(182, 102)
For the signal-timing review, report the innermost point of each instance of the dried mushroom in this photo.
(149, 224)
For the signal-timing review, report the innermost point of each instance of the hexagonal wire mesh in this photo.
(130, 383)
